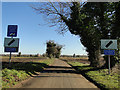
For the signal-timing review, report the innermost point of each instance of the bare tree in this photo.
(55, 13)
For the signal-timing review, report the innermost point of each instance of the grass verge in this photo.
(99, 76)
(20, 71)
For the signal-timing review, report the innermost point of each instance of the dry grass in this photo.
(76, 59)
(23, 59)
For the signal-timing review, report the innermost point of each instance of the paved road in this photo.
(59, 75)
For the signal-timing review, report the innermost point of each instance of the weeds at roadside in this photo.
(20, 71)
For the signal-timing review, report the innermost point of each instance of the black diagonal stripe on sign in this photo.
(109, 44)
(11, 42)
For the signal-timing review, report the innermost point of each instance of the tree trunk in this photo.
(94, 58)
(113, 61)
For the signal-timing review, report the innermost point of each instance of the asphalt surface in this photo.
(59, 75)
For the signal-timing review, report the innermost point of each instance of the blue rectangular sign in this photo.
(11, 49)
(12, 30)
(109, 52)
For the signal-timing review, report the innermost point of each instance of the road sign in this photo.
(11, 42)
(12, 30)
(108, 44)
(109, 52)
(11, 49)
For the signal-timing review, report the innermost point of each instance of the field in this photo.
(76, 59)
(21, 59)
(83, 59)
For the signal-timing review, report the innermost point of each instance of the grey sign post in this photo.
(108, 44)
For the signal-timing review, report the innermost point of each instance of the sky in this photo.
(32, 36)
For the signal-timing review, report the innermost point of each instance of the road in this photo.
(59, 75)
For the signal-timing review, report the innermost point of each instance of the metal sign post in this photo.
(109, 44)
(109, 64)
(109, 52)
(10, 59)
(11, 44)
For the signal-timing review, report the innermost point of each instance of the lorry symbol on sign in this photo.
(109, 44)
(12, 34)
(11, 42)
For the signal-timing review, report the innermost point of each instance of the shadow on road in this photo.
(58, 69)
(43, 76)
